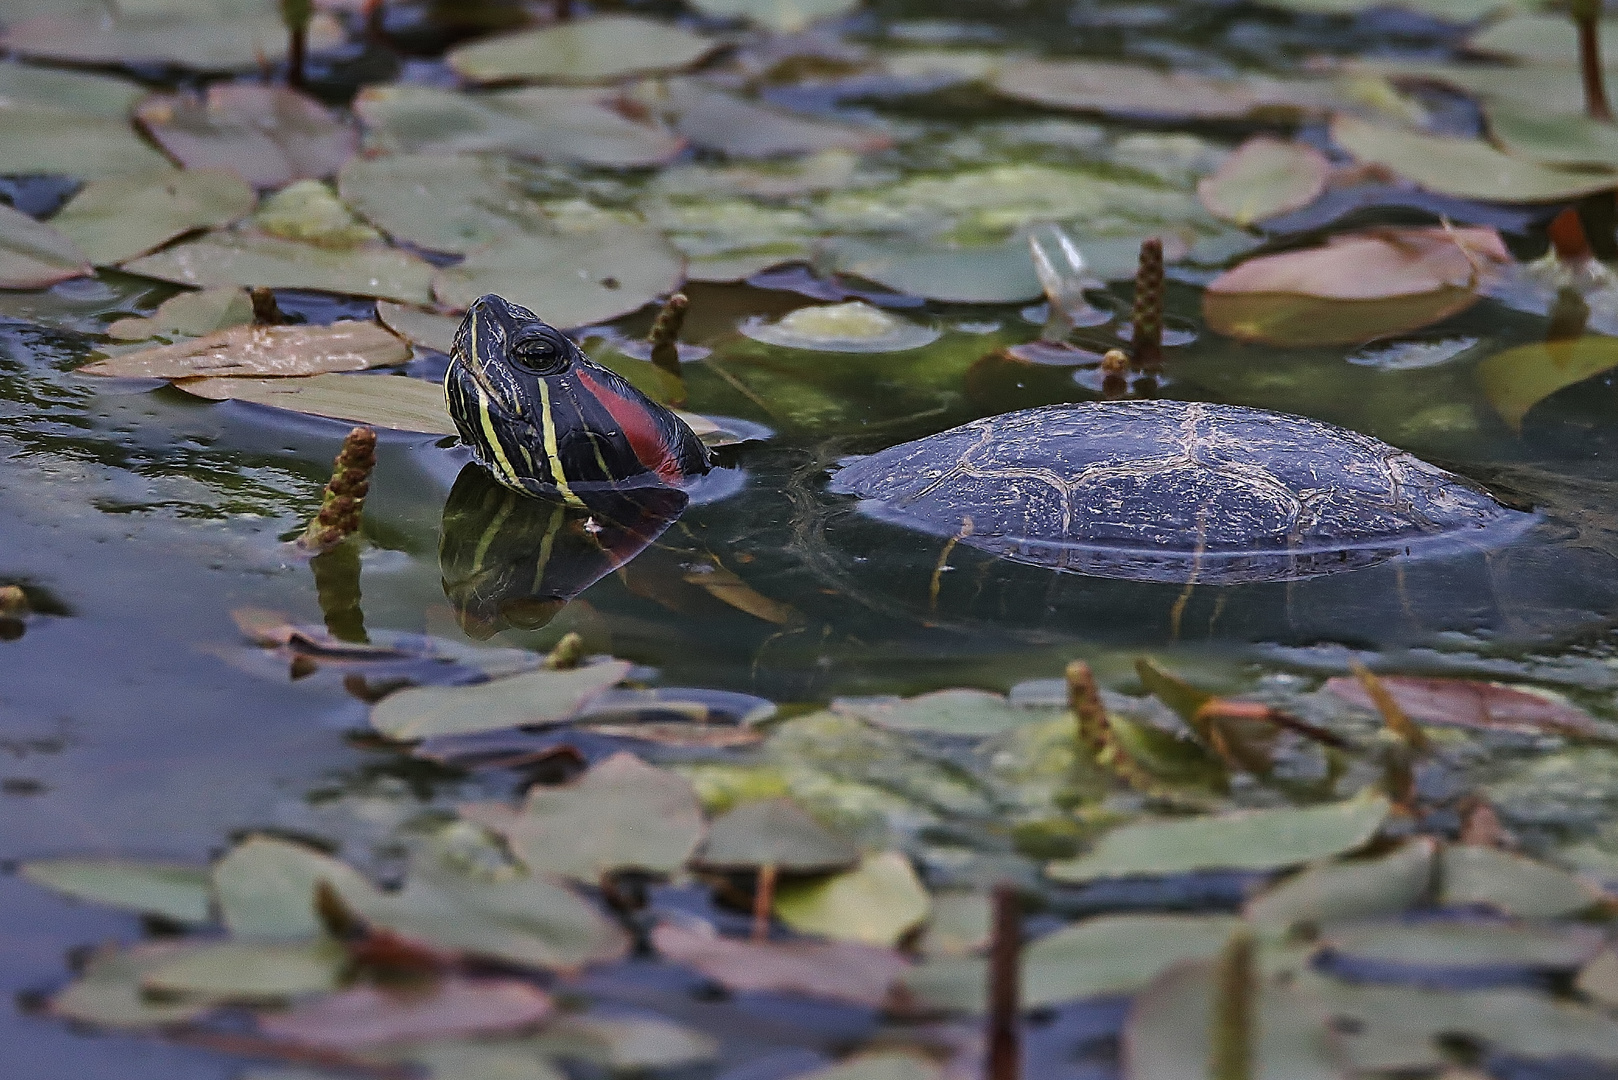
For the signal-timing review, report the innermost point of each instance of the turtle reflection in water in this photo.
(589, 470)
(1177, 491)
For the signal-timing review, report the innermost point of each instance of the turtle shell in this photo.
(1176, 491)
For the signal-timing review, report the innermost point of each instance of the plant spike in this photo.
(1005, 977)
(1146, 333)
(665, 334)
(344, 497)
(296, 15)
(1587, 17)
(1233, 1024)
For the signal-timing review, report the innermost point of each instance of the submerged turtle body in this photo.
(1176, 491)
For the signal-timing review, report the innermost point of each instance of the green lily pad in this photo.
(621, 815)
(266, 888)
(1464, 944)
(877, 903)
(403, 404)
(529, 920)
(443, 202)
(774, 832)
(267, 135)
(427, 329)
(33, 254)
(245, 971)
(1543, 39)
(945, 712)
(787, 16)
(961, 924)
(178, 893)
(719, 121)
(109, 993)
(189, 314)
(46, 139)
(195, 40)
(1598, 979)
(77, 91)
(1518, 379)
(1455, 11)
(547, 696)
(552, 123)
(603, 49)
(1002, 274)
(310, 212)
(1174, 692)
(1568, 139)
(1242, 840)
(277, 351)
(1511, 884)
(1132, 90)
(1264, 177)
(1351, 889)
(879, 1065)
(366, 1016)
(570, 280)
(1467, 168)
(244, 258)
(628, 1044)
(116, 219)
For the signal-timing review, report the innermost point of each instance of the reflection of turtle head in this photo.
(547, 421)
(508, 560)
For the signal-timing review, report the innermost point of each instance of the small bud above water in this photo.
(1146, 334)
(665, 335)
(344, 497)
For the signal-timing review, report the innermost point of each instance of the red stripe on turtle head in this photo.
(640, 426)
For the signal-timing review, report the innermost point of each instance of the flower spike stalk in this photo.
(1146, 334)
(344, 498)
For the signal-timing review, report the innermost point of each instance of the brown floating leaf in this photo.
(838, 970)
(1471, 704)
(370, 1016)
(278, 351)
(1264, 177)
(33, 254)
(267, 135)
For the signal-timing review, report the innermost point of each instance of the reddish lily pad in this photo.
(365, 1016)
(835, 970)
(1484, 706)
(267, 135)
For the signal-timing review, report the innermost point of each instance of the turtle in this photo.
(547, 421)
(1176, 491)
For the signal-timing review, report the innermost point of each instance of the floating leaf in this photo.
(364, 1016)
(424, 328)
(1132, 90)
(1518, 379)
(1543, 39)
(241, 258)
(960, 924)
(1599, 978)
(1455, 11)
(854, 327)
(879, 1065)
(1351, 889)
(551, 123)
(835, 970)
(1469, 703)
(45, 139)
(626, 1044)
(787, 16)
(266, 888)
(33, 254)
(1242, 840)
(178, 893)
(877, 903)
(1464, 944)
(774, 832)
(620, 815)
(189, 314)
(1510, 884)
(603, 49)
(444, 202)
(250, 971)
(1569, 139)
(571, 280)
(945, 712)
(109, 993)
(1264, 177)
(195, 40)
(77, 91)
(115, 219)
(1466, 168)
(278, 351)
(547, 696)
(403, 404)
(1176, 693)
(267, 135)
(719, 121)
(1001, 274)
(309, 211)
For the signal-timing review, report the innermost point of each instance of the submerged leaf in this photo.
(1469, 703)
(403, 404)
(601, 49)
(1264, 177)
(33, 254)
(1242, 840)
(1517, 379)
(179, 893)
(835, 970)
(853, 327)
(547, 696)
(365, 1016)
(278, 351)
(267, 135)
(244, 258)
(115, 219)
(877, 903)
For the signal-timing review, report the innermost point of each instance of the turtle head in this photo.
(503, 347)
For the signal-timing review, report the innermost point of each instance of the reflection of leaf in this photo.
(444, 202)
(571, 280)
(403, 404)
(189, 314)
(1518, 379)
(372, 1016)
(877, 902)
(45, 139)
(33, 254)
(197, 41)
(725, 585)
(1469, 703)
(1243, 840)
(267, 135)
(1262, 178)
(603, 49)
(836, 970)
(1467, 168)
(547, 696)
(179, 893)
(279, 351)
(228, 258)
(117, 218)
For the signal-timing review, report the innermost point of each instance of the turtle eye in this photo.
(538, 352)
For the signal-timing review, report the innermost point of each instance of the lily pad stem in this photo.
(1231, 1040)
(1586, 16)
(763, 901)
(1005, 977)
(296, 14)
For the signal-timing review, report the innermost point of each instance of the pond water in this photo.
(136, 720)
